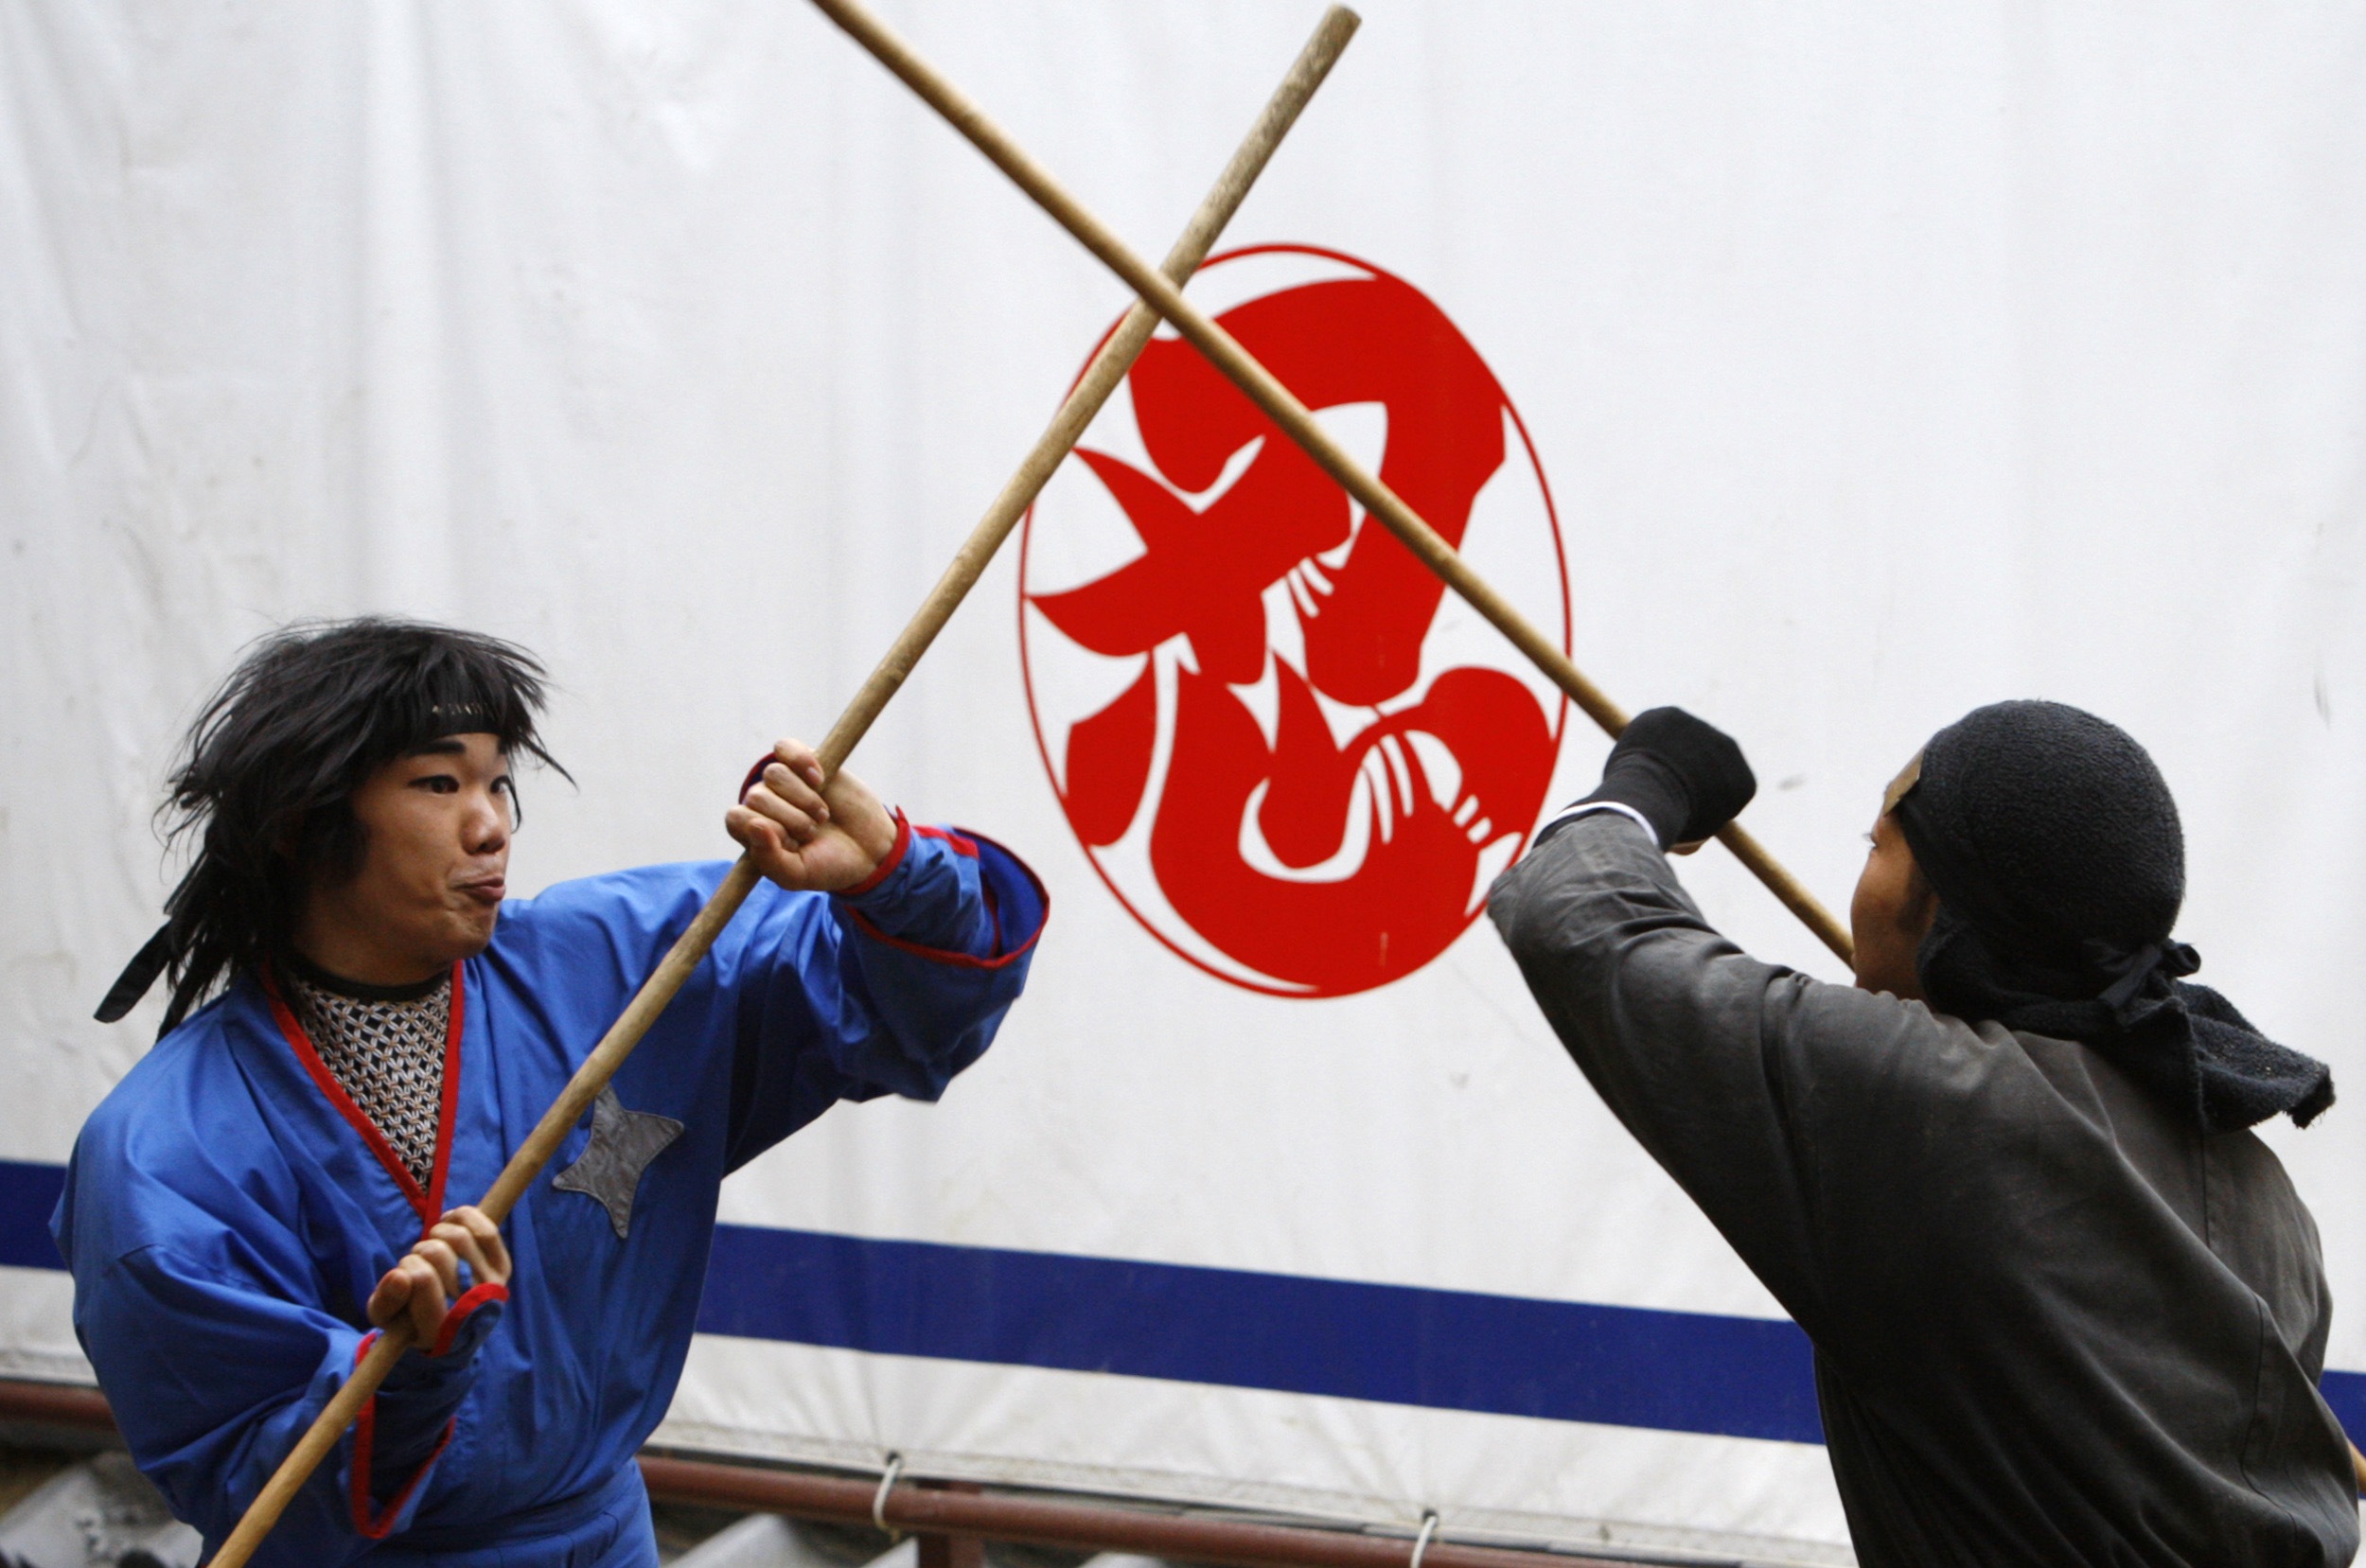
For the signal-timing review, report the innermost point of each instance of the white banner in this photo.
(1828, 371)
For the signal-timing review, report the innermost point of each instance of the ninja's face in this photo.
(1891, 912)
(436, 825)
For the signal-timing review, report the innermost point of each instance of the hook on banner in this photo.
(1420, 1542)
(879, 1499)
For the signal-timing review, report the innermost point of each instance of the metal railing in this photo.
(951, 1519)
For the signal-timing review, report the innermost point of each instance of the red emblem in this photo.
(1289, 754)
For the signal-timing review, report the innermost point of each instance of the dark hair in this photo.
(267, 775)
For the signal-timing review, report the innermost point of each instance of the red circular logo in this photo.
(1290, 754)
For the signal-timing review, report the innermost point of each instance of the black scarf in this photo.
(2054, 849)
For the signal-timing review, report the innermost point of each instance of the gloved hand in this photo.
(1686, 777)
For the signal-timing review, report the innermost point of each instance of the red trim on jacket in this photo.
(377, 1526)
(430, 1202)
(450, 1114)
(994, 912)
(960, 844)
(456, 1315)
(893, 857)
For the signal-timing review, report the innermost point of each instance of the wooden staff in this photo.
(1296, 421)
(1107, 369)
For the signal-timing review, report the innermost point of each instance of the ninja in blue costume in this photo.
(273, 1183)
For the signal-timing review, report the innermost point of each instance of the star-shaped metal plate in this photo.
(622, 1144)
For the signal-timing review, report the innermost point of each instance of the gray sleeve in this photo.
(1755, 1087)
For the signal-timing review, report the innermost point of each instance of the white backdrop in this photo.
(1883, 361)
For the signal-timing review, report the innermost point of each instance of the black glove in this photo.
(1686, 777)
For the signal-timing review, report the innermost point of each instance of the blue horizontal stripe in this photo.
(29, 1195)
(1441, 1349)
(2346, 1393)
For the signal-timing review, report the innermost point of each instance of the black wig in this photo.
(266, 779)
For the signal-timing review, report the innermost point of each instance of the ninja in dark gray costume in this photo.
(2066, 1307)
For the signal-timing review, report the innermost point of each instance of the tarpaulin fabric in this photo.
(1828, 371)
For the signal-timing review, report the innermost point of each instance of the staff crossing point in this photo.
(1296, 421)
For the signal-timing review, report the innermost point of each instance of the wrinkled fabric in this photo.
(2055, 1322)
(225, 1219)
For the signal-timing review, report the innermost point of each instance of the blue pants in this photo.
(606, 1528)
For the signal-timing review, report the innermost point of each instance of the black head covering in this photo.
(2054, 849)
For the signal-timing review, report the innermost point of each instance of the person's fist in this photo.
(424, 1285)
(804, 836)
(1686, 776)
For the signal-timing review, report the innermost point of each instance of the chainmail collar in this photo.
(384, 1045)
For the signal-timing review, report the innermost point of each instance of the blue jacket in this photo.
(228, 1210)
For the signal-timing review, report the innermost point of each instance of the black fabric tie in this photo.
(2129, 997)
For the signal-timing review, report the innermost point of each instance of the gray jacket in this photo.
(2055, 1324)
